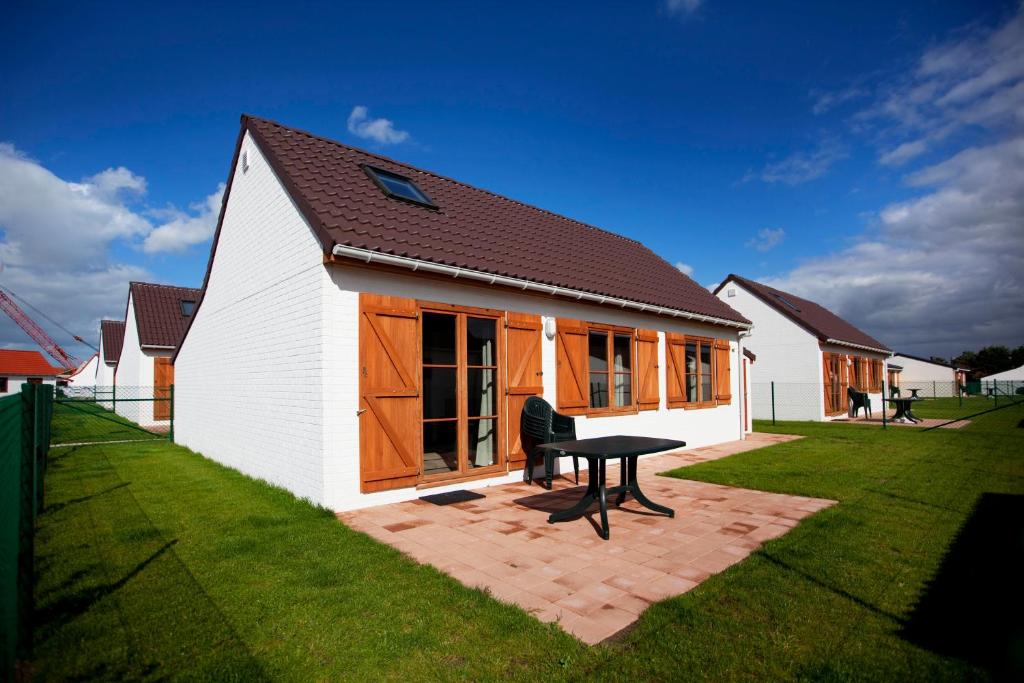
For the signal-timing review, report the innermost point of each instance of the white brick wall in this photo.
(249, 377)
(341, 399)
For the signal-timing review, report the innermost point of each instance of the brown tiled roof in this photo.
(471, 228)
(818, 320)
(112, 332)
(26, 363)
(158, 315)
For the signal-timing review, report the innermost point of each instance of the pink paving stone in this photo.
(564, 573)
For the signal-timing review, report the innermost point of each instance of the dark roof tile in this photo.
(158, 315)
(472, 228)
(112, 332)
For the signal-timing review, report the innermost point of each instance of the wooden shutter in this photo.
(572, 381)
(723, 372)
(648, 396)
(826, 364)
(675, 372)
(523, 369)
(389, 397)
(163, 378)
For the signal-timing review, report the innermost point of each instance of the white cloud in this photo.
(767, 239)
(943, 270)
(826, 101)
(183, 230)
(803, 166)
(684, 268)
(379, 130)
(56, 238)
(683, 7)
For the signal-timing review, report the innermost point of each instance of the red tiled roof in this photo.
(112, 333)
(158, 315)
(818, 320)
(26, 363)
(471, 228)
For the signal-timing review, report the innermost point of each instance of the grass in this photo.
(82, 421)
(156, 563)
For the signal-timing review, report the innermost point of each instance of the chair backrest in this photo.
(856, 396)
(535, 422)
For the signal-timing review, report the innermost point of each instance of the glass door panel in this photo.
(482, 392)
(440, 394)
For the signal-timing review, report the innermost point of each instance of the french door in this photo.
(462, 396)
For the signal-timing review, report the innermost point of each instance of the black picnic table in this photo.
(598, 452)
(904, 409)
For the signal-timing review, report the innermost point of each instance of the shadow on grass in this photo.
(52, 617)
(971, 609)
(74, 501)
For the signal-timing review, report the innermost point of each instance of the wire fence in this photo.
(803, 401)
(86, 415)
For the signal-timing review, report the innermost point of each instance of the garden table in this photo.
(904, 412)
(598, 452)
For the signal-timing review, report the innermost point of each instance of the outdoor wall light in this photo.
(549, 328)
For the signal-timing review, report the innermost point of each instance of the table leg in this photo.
(638, 494)
(588, 498)
(623, 478)
(602, 499)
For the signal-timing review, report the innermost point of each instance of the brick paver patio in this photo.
(501, 541)
(890, 413)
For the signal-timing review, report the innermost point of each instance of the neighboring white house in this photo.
(369, 331)
(929, 377)
(812, 355)
(111, 340)
(20, 367)
(1007, 382)
(155, 319)
(85, 375)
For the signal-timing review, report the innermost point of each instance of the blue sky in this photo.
(806, 144)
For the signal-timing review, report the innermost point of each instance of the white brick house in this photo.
(368, 331)
(811, 354)
(155, 319)
(929, 377)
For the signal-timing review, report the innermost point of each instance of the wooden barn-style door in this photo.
(524, 375)
(163, 378)
(834, 378)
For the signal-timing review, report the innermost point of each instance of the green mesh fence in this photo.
(91, 415)
(24, 447)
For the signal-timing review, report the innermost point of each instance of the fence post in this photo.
(114, 397)
(773, 402)
(170, 433)
(883, 405)
(933, 389)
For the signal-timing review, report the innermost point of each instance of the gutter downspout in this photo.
(742, 394)
(370, 256)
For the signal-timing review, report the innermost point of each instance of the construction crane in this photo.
(37, 333)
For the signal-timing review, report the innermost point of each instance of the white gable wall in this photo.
(786, 353)
(249, 378)
(14, 383)
(922, 371)
(698, 427)
(133, 377)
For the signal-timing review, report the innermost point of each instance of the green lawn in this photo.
(82, 421)
(155, 563)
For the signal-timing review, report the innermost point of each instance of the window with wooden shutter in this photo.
(572, 380)
(648, 395)
(523, 354)
(723, 372)
(690, 375)
(389, 396)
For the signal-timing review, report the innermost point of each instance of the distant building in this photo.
(20, 367)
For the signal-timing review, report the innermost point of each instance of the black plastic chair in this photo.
(541, 424)
(858, 400)
(894, 392)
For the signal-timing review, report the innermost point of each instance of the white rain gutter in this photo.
(369, 256)
(157, 346)
(858, 346)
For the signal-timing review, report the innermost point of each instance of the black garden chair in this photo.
(541, 424)
(894, 392)
(858, 400)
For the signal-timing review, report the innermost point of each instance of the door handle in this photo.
(360, 412)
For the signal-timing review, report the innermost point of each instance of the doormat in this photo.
(450, 497)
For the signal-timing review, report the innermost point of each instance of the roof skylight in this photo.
(398, 186)
(787, 302)
(187, 307)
